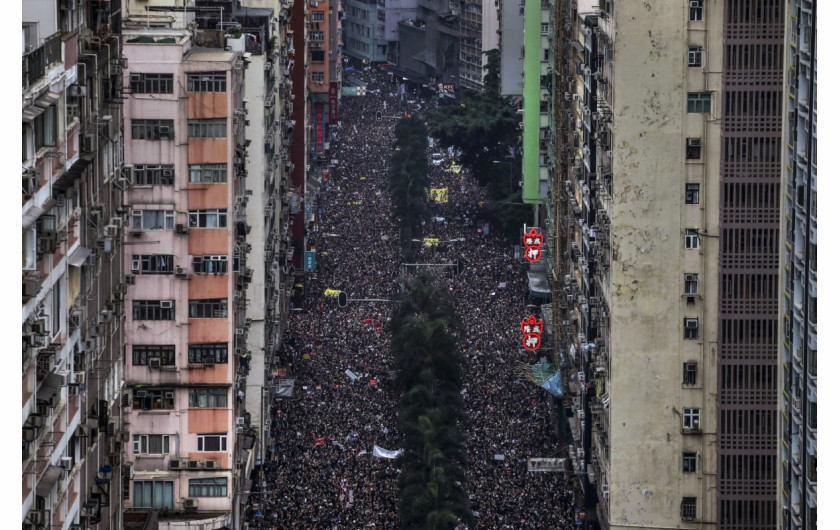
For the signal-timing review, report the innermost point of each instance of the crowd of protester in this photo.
(322, 472)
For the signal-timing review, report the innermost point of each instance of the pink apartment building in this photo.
(184, 254)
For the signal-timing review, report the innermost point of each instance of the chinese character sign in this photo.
(533, 241)
(531, 333)
(319, 128)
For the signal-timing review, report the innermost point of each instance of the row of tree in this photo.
(424, 344)
(484, 127)
(409, 177)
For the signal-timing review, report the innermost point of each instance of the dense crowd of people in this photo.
(323, 473)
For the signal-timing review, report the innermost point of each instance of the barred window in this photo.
(212, 442)
(151, 83)
(208, 487)
(213, 218)
(690, 373)
(211, 264)
(207, 82)
(152, 263)
(695, 56)
(154, 399)
(691, 283)
(316, 36)
(317, 15)
(153, 309)
(689, 462)
(153, 219)
(318, 77)
(688, 508)
(692, 193)
(208, 397)
(691, 327)
(152, 129)
(695, 10)
(151, 444)
(204, 353)
(140, 354)
(208, 128)
(154, 175)
(209, 308)
(208, 173)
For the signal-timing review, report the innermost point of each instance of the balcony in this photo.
(35, 62)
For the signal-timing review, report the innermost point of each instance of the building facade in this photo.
(72, 198)
(798, 286)
(187, 254)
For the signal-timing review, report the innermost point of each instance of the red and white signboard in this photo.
(533, 241)
(531, 333)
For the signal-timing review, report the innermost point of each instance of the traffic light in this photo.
(378, 114)
(342, 299)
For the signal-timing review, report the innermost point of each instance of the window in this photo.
(699, 102)
(154, 399)
(318, 77)
(151, 444)
(205, 353)
(690, 373)
(316, 36)
(152, 263)
(152, 129)
(208, 487)
(209, 128)
(157, 494)
(688, 508)
(207, 82)
(46, 128)
(692, 193)
(689, 462)
(695, 56)
(208, 397)
(208, 308)
(208, 173)
(215, 218)
(151, 83)
(691, 283)
(141, 353)
(317, 16)
(153, 309)
(544, 29)
(210, 264)
(692, 238)
(691, 328)
(318, 56)
(691, 419)
(153, 219)
(213, 443)
(692, 148)
(695, 10)
(154, 175)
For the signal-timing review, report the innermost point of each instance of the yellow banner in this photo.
(430, 241)
(332, 292)
(454, 168)
(439, 194)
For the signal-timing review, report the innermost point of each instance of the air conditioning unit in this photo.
(87, 144)
(194, 464)
(190, 504)
(67, 462)
(168, 173)
(605, 491)
(163, 132)
(46, 244)
(169, 395)
(79, 378)
(36, 517)
(240, 420)
(72, 391)
(240, 330)
(181, 228)
(692, 323)
(210, 464)
(181, 271)
(176, 464)
(154, 362)
(240, 430)
(209, 360)
(166, 304)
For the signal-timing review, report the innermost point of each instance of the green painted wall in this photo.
(531, 106)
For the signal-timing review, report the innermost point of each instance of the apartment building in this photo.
(72, 198)
(671, 206)
(479, 23)
(798, 285)
(187, 251)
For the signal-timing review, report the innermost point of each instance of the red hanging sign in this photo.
(531, 333)
(533, 241)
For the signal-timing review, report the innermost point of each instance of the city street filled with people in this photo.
(331, 462)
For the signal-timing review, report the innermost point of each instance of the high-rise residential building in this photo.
(72, 206)
(669, 180)
(479, 33)
(798, 285)
(364, 30)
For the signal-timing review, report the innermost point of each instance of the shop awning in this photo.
(49, 479)
(538, 285)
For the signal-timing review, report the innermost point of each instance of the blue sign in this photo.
(309, 260)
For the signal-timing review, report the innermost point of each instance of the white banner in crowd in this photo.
(546, 464)
(379, 452)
